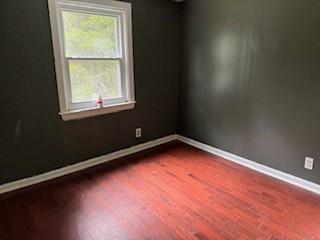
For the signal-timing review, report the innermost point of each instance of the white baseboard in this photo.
(253, 165)
(125, 152)
(83, 165)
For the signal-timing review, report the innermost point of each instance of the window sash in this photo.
(91, 9)
(106, 101)
(119, 29)
(119, 9)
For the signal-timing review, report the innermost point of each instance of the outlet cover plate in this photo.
(308, 164)
(138, 133)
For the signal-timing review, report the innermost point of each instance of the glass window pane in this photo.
(88, 35)
(91, 78)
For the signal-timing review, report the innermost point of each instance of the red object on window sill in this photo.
(100, 102)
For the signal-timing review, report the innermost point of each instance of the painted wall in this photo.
(251, 80)
(249, 85)
(33, 138)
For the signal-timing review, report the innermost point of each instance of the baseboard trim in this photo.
(253, 165)
(26, 182)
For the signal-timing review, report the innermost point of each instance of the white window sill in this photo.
(91, 112)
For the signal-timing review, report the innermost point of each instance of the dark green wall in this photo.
(251, 80)
(250, 84)
(33, 138)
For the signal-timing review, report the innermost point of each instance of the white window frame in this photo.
(122, 10)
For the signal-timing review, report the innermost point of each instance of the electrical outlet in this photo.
(138, 133)
(308, 164)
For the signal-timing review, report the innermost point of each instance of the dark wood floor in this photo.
(174, 193)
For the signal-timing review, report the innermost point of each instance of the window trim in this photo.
(119, 9)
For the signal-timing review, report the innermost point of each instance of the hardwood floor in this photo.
(175, 192)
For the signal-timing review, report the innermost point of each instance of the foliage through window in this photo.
(93, 51)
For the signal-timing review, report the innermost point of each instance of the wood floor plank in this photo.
(174, 192)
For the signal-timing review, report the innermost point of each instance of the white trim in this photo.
(125, 152)
(90, 112)
(123, 12)
(8, 187)
(313, 187)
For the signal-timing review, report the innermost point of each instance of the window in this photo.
(92, 41)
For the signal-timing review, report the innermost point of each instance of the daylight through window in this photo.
(93, 52)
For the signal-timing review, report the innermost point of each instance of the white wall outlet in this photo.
(308, 163)
(138, 133)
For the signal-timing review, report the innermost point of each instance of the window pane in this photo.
(88, 35)
(91, 78)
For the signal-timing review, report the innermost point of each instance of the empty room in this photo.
(160, 120)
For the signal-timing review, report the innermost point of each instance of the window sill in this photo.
(91, 112)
